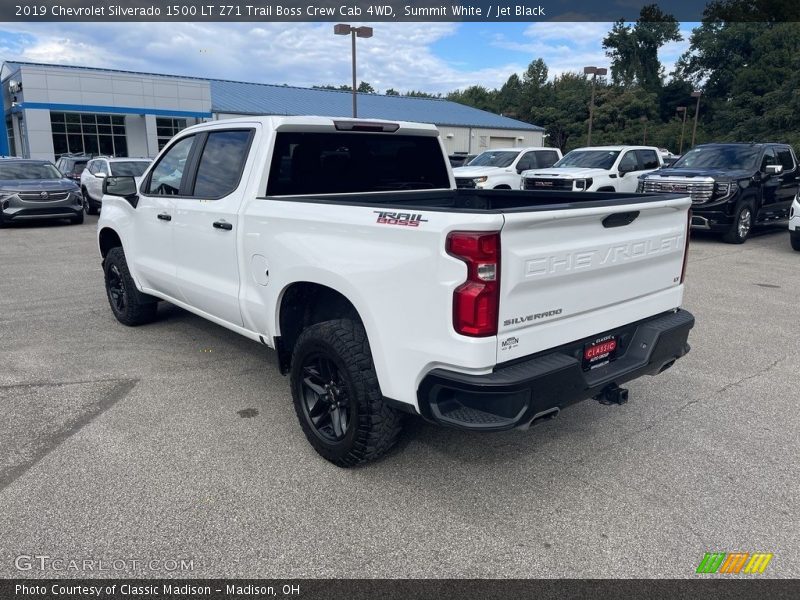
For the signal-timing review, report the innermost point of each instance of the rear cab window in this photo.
(310, 163)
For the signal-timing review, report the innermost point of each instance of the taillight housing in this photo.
(686, 247)
(476, 301)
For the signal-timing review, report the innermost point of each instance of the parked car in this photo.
(734, 187)
(500, 169)
(794, 223)
(344, 245)
(460, 160)
(98, 169)
(35, 189)
(596, 169)
(72, 165)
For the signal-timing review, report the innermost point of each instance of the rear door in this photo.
(207, 220)
(572, 273)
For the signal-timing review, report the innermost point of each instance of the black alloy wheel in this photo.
(326, 402)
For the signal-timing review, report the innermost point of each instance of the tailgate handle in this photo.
(620, 219)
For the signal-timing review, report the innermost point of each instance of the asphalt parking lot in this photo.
(177, 440)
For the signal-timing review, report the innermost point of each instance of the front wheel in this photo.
(794, 237)
(742, 225)
(87, 203)
(130, 306)
(337, 397)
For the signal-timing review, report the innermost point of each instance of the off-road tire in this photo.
(138, 308)
(373, 427)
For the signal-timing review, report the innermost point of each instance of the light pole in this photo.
(594, 72)
(696, 94)
(643, 119)
(682, 109)
(362, 32)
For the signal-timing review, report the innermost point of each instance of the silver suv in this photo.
(104, 166)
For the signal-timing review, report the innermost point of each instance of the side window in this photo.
(785, 159)
(629, 162)
(528, 161)
(769, 159)
(166, 177)
(221, 163)
(648, 159)
(546, 159)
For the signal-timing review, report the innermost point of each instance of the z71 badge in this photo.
(399, 218)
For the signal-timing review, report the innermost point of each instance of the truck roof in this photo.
(620, 148)
(316, 123)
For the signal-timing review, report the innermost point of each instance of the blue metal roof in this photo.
(264, 99)
(244, 98)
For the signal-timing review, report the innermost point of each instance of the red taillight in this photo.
(686, 247)
(475, 302)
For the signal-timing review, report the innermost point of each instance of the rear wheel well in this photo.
(608, 188)
(305, 304)
(108, 240)
(502, 186)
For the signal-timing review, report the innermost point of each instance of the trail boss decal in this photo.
(533, 317)
(399, 218)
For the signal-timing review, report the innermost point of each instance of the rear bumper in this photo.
(518, 393)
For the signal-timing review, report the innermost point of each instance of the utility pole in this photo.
(594, 72)
(353, 32)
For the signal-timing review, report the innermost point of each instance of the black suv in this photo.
(72, 165)
(733, 186)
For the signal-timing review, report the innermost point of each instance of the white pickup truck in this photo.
(344, 245)
(596, 169)
(502, 168)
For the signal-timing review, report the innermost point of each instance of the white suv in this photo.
(101, 167)
(596, 169)
(500, 169)
(794, 223)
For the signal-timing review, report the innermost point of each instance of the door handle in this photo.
(165, 217)
(223, 225)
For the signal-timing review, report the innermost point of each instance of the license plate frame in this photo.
(600, 352)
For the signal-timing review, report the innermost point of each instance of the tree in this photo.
(365, 88)
(476, 96)
(392, 92)
(633, 50)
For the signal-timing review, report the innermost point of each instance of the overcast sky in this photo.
(433, 57)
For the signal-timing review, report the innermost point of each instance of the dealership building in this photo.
(51, 110)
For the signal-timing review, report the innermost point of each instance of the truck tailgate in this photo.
(568, 274)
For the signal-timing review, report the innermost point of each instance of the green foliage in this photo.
(745, 61)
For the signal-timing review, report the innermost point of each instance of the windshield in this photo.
(24, 170)
(133, 168)
(494, 159)
(719, 157)
(589, 159)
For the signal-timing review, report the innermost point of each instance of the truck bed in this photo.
(483, 201)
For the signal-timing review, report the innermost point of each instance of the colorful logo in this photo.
(734, 562)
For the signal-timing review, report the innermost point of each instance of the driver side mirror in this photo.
(123, 186)
(773, 169)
